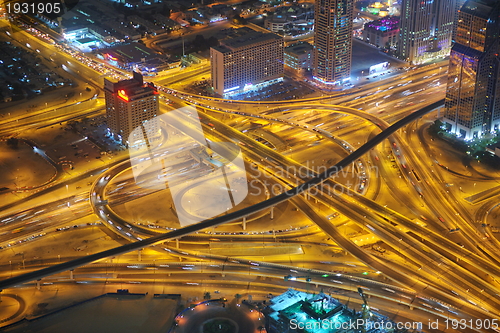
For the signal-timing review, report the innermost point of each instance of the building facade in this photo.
(298, 57)
(426, 29)
(276, 23)
(458, 5)
(131, 104)
(472, 105)
(246, 62)
(333, 24)
(383, 33)
(291, 20)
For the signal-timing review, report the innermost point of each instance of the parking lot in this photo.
(365, 55)
(288, 89)
(76, 144)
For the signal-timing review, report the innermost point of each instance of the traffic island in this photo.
(219, 325)
(215, 315)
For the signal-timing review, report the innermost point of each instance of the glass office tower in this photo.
(473, 92)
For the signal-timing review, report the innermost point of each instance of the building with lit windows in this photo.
(458, 5)
(333, 41)
(131, 104)
(472, 105)
(246, 62)
(298, 57)
(426, 29)
(383, 32)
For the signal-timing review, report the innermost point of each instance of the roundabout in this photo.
(195, 190)
(153, 211)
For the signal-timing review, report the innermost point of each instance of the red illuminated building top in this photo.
(132, 89)
(123, 95)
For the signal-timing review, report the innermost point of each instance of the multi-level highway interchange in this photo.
(436, 255)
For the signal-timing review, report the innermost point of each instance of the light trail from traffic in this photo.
(221, 219)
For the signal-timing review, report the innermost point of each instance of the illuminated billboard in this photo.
(379, 67)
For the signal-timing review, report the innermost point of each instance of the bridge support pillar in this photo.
(71, 274)
(139, 255)
(244, 223)
(38, 284)
(177, 243)
(272, 212)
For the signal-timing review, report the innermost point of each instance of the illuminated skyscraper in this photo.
(458, 5)
(333, 41)
(130, 104)
(426, 29)
(472, 105)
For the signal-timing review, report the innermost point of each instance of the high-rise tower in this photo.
(426, 29)
(129, 105)
(250, 60)
(472, 105)
(333, 41)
